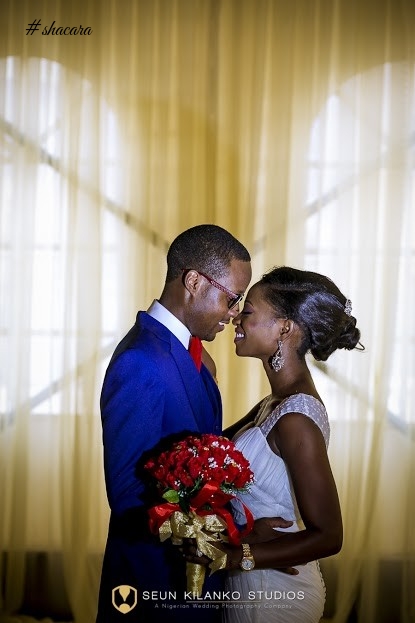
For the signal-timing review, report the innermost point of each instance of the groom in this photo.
(154, 389)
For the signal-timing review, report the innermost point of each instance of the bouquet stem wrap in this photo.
(205, 526)
(206, 530)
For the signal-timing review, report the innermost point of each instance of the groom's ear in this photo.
(192, 281)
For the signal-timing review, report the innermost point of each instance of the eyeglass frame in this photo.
(234, 299)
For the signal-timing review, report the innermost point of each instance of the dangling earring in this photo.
(277, 360)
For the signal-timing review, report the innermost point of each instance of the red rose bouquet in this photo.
(197, 477)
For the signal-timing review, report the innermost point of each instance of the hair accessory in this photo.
(348, 307)
(277, 360)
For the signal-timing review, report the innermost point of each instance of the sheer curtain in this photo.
(290, 124)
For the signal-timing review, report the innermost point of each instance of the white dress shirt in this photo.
(173, 324)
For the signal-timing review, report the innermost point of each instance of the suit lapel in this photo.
(205, 404)
(198, 397)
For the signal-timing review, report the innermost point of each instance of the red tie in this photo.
(195, 350)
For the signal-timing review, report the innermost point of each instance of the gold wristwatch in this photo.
(247, 563)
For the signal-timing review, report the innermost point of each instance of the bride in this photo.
(287, 314)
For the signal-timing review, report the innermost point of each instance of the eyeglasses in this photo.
(233, 298)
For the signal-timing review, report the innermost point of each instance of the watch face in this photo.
(247, 564)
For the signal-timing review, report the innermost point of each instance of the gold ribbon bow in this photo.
(206, 530)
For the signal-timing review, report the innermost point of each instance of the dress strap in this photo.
(299, 403)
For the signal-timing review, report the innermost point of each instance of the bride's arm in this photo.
(301, 445)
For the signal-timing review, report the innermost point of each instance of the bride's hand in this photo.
(191, 553)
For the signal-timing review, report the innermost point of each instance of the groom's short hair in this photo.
(205, 248)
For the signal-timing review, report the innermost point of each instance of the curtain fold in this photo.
(290, 124)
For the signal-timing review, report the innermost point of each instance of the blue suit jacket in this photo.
(152, 390)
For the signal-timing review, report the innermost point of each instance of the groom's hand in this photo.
(265, 529)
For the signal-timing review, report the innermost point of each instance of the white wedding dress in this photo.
(268, 595)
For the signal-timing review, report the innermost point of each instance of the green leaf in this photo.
(171, 496)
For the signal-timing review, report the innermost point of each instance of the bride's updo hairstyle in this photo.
(317, 306)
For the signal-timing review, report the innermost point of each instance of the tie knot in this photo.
(195, 350)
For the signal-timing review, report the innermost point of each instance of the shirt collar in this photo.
(173, 324)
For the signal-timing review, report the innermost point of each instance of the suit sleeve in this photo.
(132, 406)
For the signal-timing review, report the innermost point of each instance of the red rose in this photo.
(198, 460)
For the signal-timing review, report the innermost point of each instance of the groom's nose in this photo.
(237, 319)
